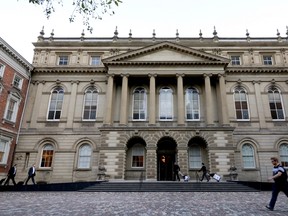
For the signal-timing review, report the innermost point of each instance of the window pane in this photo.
(275, 103)
(47, 156)
(248, 156)
(90, 104)
(138, 155)
(56, 103)
(195, 156)
(139, 104)
(84, 158)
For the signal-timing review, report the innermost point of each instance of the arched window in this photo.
(192, 104)
(138, 151)
(195, 159)
(139, 104)
(84, 157)
(56, 101)
(47, 155)
(166, 103)
(248, 157)
(241, 104)
(275, 102)
(90, 104)
(283, 152)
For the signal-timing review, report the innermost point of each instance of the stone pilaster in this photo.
(124, 100)
(180, 96)
(152, 101)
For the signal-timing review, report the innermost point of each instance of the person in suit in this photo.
(176, 171)
(11, 175)
(31, 174)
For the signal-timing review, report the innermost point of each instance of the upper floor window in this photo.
(139, 104)
(12, 106)
(192, 104)
(17, 82)
(138, 155)
(47, 156)
(84, 157)
(248, 156)
(267, 60)
(56, 101)
(235, 60)
(166, 103)
(195, 159)
(4, 149)
(275, 102)
(241, 104)
(284, 154)
(1, 88)
(63, 60)
(95, 60)
(2, 68)
(90, 104)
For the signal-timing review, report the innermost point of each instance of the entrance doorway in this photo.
(166, 157)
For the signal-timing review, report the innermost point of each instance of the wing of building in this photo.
(136, 106)
(15, 74)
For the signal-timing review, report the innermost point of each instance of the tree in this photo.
(88, 9)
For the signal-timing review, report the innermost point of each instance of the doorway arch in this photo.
(166, 157)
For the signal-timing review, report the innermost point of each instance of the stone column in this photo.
(225, 119)
(72, 103)
(124, 99)
(152, 101)
(259, 104)
(180, 97)
(208, 97)
(37, 103)
(151, 163)
(109, 100)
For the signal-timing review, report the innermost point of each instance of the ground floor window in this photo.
(4, 149)
(194, 157)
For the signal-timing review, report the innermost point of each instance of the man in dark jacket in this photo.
(11, 175)
(280, 182)
(176, 171)
(31, 174)
(204, 170)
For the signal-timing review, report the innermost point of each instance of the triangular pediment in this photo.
(166, 52)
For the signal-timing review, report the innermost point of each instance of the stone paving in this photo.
(142, 203)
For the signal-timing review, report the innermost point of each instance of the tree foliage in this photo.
(88, 9)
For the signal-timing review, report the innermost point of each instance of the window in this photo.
(248, 156)
(12, 107)
(95, 60)
(138, 155)
(56, 102)
(2, 68)
(275, 102)
(195, 157)
(166, 104)
(4, 149)
(267, 60)
(17, 82)
(235, 60)
(63, 60)
(139, 104)
(47, 156)
(241, 104)
(192, 104)
(283, 150)
(84, 158)
(1, 88)
(90, 104)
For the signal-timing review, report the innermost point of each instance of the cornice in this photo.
(257, 70)
(69, 70)
(168, 63)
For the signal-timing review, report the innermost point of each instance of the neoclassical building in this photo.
(138, 105)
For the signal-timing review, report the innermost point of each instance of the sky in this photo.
(21, 21)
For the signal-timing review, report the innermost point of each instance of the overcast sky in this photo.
(21, 22)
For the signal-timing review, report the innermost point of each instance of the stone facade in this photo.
(157, 101)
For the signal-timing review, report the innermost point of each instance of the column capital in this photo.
(180, 75)
(221, 75)
(110, 75)
(124, 75)
(207, 75)
(152, 75)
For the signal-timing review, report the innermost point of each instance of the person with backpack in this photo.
(280, 182)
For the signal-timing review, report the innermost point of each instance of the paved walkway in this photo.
(140, 204)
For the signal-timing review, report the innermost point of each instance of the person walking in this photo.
(11, 175)
(31, 174)
(176, 171)
(204, 172)
(280, 182)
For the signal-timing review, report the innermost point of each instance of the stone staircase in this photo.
(168, 187)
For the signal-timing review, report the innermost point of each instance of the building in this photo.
(15, 73)
(137, 105)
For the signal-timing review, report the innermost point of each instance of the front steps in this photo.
(168, 187)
